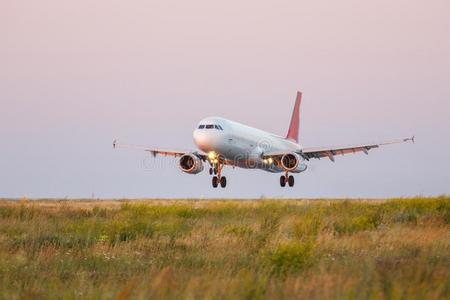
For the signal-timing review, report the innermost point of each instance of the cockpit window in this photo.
(210, 126)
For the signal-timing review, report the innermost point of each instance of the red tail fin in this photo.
(295, 120)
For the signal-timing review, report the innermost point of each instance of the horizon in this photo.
(26, 199)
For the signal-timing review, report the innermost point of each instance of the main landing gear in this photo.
(289, 179)
(219, 180)
(216, 169)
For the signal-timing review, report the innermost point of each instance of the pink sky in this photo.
(74, 75)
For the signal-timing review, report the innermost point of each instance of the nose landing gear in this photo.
(216, 169)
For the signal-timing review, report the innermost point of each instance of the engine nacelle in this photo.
(191, 164)
(292, 162)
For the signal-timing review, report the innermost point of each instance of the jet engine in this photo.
(292, 162)
(191, 164)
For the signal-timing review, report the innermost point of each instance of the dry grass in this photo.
(273, 249)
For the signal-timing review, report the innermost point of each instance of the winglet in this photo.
(295, 120)
(412, 139)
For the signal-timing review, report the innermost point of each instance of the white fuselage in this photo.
(240, 145)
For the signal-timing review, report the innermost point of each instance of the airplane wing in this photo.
(330, 152)
(155, 152)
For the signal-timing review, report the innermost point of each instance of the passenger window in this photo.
(201, 126)
(209, 126)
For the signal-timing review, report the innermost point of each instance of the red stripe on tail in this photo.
(295, 120)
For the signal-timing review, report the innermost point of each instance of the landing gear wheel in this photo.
(215, 171)
(291, 180)
(210, 171)
(215, 181)
(283, 181)
(223, 181)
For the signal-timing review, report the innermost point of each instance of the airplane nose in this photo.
(201, 139)
(206, 141)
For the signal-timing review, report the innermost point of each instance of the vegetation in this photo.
(257, 249)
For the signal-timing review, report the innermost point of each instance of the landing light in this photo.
(268, 160)
(212, 155)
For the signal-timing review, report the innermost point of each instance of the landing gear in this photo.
(287, 179)
(217, 179)
(213, 171)
(223, 181)
(291, 181)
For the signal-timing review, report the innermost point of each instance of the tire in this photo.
(291, 181)
(223, 181)
(210, 171)
(283, 181)
(215, 181)
(215, 171)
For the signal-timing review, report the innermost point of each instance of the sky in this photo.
(75, 75)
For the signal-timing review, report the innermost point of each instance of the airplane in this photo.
(222, 142)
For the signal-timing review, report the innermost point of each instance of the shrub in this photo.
(127, 231)
(407, 216)
(172, 228)
(307, 228)
(239, 231)
(443, 208)
(22, 212)
(358, 220)
(156, 212)
(291, 257)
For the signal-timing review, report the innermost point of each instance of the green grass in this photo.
(261, 249)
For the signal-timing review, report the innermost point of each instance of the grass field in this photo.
(271, 249)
